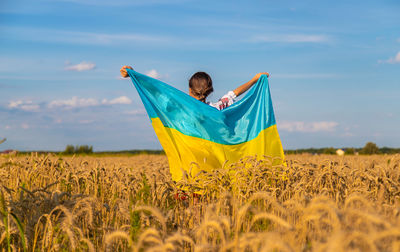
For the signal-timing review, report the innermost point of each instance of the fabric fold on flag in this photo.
(192, 131)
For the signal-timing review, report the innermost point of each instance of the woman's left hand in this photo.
(123, 71)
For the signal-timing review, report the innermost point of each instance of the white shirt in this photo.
(225, 101)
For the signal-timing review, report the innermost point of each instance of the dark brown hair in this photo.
(201, 85)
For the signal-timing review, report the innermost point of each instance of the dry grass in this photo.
(316, 203)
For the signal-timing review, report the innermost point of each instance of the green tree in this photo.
(79, 149)
(350, 151)
(370, 148)
(83, 149)
(69, 149)
(329, 150)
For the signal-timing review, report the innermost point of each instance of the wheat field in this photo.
(129, 203)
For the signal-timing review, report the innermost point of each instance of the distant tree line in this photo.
(78, 149)
(86, 149)
(369, 149)
(134, 152)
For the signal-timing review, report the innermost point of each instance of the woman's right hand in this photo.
(123, 71)
(257, 76)
(243, 88)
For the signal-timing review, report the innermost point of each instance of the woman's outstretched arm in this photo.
(243, 88)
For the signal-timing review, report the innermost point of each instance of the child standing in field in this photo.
(200, 86)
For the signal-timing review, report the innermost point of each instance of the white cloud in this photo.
(348, 134)
(298, 126)
(156, 75)
(118, 100)
(24, 105)
(136, 112)
(76, 102)
(290, 38)
(83, 66)
(153, 74)
(25, 126)
(15, 104)
(86, 121)
(396, 59)
(73, 102)
(393, 60)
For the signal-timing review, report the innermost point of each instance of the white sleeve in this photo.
(231, 96)
(225, 101)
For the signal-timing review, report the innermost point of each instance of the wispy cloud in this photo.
(123, 2)
(290, 38)
(304, 75)
(83, 66)
(136, 112)
(148, 39)
(24, 105)
(298, 126)
(76, 102)
(118, 100)
(2, 85)
(347, 134)
(392, 60)
(86, 121)
(43, 7)
(25, 126)
(78, 37)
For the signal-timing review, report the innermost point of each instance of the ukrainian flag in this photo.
(192, 131)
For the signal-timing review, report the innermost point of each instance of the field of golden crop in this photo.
(87, 203)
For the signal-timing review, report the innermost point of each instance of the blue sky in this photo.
(334, 67)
